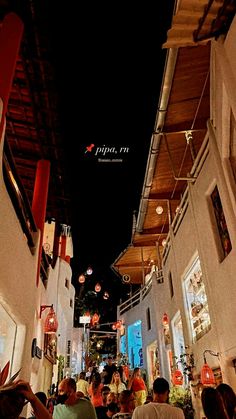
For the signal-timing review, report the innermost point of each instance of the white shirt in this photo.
(115, 389)
(154, 410)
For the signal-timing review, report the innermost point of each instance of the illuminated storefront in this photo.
(135, 352)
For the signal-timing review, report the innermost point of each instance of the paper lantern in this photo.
(81, 279)
(98, 287)
(207, 376)
(165, 319)
(177, 378)
(51, 323)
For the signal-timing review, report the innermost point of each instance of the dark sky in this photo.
(109, 66)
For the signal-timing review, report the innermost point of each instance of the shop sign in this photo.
(35, 350)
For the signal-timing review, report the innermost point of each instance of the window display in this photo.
(197, 304)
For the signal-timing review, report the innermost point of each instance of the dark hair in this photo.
(11, 404)
(229, 398)
(124, 396)
(96, 381)
(71, 383)
(112, 407)
(82, 375)
(105, 388)
(42, 397)
(213, 404)
(160, 386)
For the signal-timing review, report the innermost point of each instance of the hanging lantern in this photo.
(207, 376)
(118, 324)
(159, 210)
(165, 320)
(81, 279)
(89, 270)
(95, 319)
(177, 378)
(113, 326)
(51, 323)
(98, 287)
(105, 295)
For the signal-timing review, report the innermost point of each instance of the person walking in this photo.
(70, 404)
(116, 385)
(12, 400)
(229, 398)
(82, 384)
(213, 404)
(95, 390)
(159, 408)
(108, 370)
(127, 405)
(137, 385)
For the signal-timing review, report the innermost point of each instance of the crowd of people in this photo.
(109, 394)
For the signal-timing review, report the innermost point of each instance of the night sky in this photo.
(108, 65)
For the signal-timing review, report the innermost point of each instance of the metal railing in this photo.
(139, 296)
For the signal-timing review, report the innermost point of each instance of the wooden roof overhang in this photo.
(197, 21)
(33, 130)
(186, 114)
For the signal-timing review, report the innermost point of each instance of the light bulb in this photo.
(159, 210)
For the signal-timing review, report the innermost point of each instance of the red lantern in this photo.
(165, 319)
(177, 378)
(98, 287)
(51, 323)
(207, 376)
(118, 324)
(95, 319)
(81, 279)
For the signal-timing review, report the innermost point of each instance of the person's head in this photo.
(213, 404)
(96, 379)
(11, 403)
(115, 377)
(229, 398)
(161, 390)
(105, 391)
(109, 360)
(42, 397)
(111, 397)
(112, 408)
(137, 372)
(82, 375)
(126, 401)
(66, 387)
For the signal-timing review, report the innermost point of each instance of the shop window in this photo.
(196, 300)
(148, 319)
(221, 223)
(171, 285)
(135, 344)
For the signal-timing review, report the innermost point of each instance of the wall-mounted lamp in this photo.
(165, 319)
(207, 375)
(177, 378)
(51, 323)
